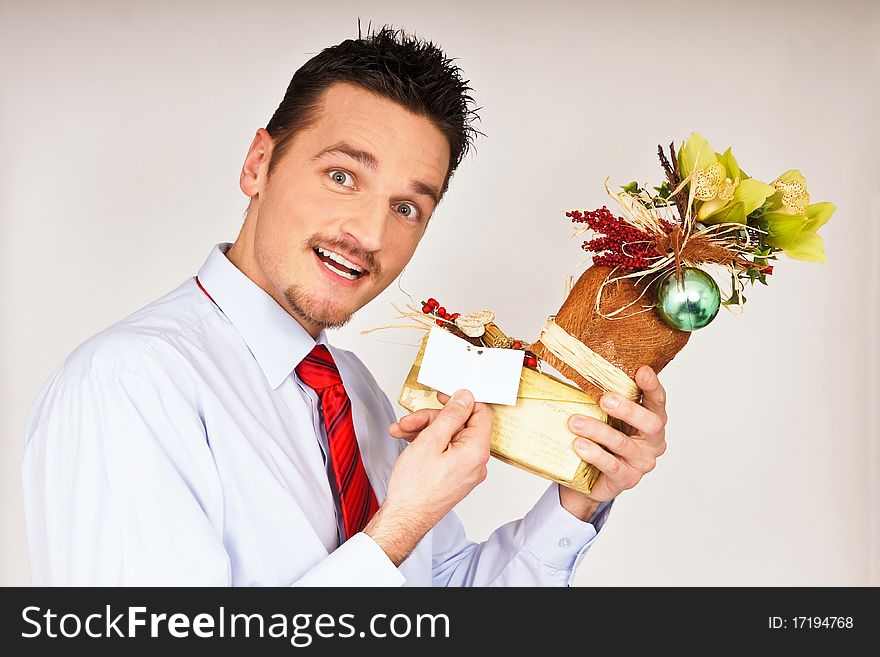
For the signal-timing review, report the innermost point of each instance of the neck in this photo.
(241, 254)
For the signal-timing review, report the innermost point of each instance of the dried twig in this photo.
(674, 178)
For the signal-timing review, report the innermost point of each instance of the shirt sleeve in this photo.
(120, 487)
(543, 548)
(357, 562)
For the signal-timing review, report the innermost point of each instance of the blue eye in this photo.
(411, 210)
(339, 176)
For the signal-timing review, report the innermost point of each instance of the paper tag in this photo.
(450, 364)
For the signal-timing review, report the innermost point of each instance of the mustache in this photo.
(346, 247)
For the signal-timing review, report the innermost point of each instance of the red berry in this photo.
(517, 344)
(426, 309)
(433, 302)
(441, 311)
(439, 322)
(455, 316)
(530, 361)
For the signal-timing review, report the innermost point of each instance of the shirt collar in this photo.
(277, 340)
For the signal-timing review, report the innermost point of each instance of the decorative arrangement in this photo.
(650, 286)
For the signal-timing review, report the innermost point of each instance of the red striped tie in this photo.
(357, 499)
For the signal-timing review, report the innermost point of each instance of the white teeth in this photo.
(344, 274)
(342, 261)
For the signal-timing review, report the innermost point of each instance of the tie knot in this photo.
(318, 370)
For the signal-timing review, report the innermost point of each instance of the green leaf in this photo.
(734, 299)
(631, 188)
(664, 191)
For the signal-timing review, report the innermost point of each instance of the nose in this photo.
(367, 223)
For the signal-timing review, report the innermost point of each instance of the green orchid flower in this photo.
(793, 221)
(723, 193)
(790, 193)
(797, 234)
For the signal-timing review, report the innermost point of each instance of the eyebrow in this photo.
(370, 161)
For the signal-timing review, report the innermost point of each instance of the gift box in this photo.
(532, 435)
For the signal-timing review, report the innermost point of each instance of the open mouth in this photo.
(339, 264)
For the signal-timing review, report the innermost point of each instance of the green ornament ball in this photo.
(689, 304)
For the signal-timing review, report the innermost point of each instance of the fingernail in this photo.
(610, 401)
(462, 397)
(578, 422)
(581, 444)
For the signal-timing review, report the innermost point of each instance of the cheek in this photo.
(400, 252)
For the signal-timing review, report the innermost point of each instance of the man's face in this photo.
(346, 205)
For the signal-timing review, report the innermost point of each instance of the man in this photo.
(215, 437)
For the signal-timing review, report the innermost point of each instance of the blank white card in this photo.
(451, 363)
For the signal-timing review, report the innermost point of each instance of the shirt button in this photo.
(564, 542)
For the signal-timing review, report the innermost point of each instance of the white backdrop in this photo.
(123, 127)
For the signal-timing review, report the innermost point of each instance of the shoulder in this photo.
(136, 348)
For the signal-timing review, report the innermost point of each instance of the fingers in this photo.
(654, 394)
(479, 425)
(409, 426)
(450, 419)
(605, 435)
(644, 420)
(482, 415)
(621, 475)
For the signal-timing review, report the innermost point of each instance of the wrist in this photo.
(577, 504)
(396, 532)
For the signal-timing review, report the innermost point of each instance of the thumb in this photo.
(449, 421)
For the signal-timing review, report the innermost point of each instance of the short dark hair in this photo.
(409, 71)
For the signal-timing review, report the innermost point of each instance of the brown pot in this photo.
(628, 343)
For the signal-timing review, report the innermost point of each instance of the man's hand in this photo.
(446, 458)
(632, 454)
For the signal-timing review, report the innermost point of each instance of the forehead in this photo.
(401, 140)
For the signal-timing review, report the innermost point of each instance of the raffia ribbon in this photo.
(587, 362)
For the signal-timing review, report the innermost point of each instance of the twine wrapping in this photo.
(587, 362)
(626, 341)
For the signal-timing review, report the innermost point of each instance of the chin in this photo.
(316, 310)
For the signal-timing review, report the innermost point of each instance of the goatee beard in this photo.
(317, 312)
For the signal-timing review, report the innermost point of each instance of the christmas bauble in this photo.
(690, 303)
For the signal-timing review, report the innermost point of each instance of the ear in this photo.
(256, 164)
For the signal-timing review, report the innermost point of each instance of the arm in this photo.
(547, 545)
(541, 549)
(544, 548)
(120, 488)
(446, 457)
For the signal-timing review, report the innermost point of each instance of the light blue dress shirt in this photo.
(179, 447)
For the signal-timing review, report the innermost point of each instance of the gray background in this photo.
(123, 127)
